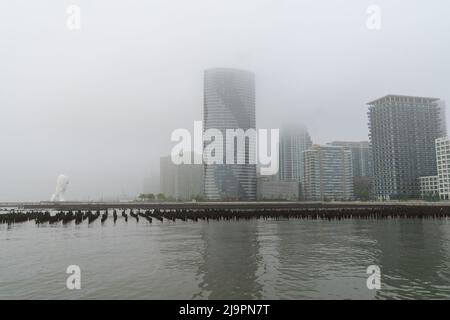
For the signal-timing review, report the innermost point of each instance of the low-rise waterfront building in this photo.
(278, 189)
(182, 182)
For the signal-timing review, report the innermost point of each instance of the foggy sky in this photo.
(99, 104)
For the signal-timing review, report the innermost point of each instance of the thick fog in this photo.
(98, 104)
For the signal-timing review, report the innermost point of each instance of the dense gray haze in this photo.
(99, 104)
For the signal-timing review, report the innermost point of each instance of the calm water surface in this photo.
(255, 259)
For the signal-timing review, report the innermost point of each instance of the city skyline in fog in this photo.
(99, 104)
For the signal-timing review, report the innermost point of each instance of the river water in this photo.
(256, 259)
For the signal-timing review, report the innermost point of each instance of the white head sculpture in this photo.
(61, 186)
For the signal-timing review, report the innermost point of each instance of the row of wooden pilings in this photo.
(78, 216)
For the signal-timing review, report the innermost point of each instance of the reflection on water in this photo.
(254, 259)
(230, 260)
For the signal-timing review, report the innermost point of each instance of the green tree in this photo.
(161, 196)
(146, 197)
(199, 198)
(362, 188)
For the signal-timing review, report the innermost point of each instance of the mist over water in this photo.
(256, 259)
(99, 105)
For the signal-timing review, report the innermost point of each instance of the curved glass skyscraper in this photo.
(229, 103)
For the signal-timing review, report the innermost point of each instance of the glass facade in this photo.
(229, 103)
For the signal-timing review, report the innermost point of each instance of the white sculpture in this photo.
(61, 186)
